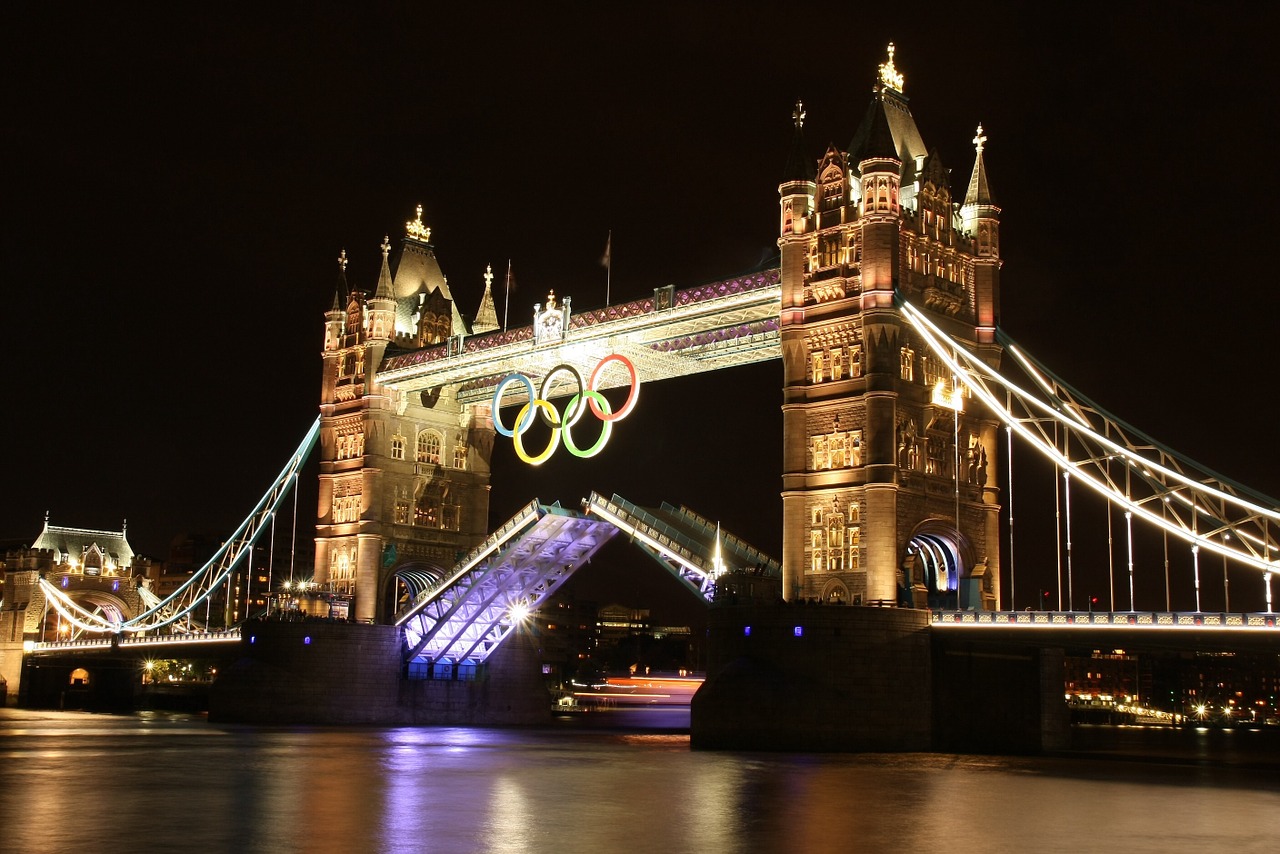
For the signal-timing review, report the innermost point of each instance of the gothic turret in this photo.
(381, 315)
(796, 200)
(980, 216)
(333, 317)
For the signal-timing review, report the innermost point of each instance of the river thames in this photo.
(75, 782)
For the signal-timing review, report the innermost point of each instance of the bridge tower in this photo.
(404, 477)
(889, 473)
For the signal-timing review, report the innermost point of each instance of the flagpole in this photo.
(608, 266)
(506, 302)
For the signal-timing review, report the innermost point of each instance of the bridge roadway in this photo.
(1151, 631)
(1142, 630)
(152, 646)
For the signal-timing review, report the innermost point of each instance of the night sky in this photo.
(177, 187)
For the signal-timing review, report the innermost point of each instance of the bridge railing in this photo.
(669, 536)
(1128, 619)
(739, 546)
(192, 639)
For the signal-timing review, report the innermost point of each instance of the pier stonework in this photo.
(889, 475)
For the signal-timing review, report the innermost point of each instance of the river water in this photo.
(74, 782)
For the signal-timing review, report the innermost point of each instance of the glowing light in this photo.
(416, 229)
(889, 75)
(951, 399)
(519, 612)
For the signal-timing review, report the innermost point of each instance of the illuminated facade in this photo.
(97, 568)
(889, 472)
(881, 455)
(404, 476)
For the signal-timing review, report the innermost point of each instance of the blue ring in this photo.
(497, 400)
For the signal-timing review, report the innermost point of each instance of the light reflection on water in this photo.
(170, 783)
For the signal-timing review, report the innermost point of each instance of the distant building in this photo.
(101, 566)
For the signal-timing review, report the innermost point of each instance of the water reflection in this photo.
(83, 782)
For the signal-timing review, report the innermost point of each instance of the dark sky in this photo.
(178, 183)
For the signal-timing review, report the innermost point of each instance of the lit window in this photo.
(427, 514)
(459, 454)
(397, 447)
(429, 447)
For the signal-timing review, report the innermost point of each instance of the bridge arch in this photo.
(404, 584)
(938, 558)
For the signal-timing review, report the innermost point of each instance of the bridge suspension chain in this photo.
(197, 590)
(1149, 480)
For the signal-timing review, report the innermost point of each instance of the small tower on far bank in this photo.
(889, 479)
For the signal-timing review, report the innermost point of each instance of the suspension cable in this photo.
(1013, 590)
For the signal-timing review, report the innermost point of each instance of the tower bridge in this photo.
(884, 309)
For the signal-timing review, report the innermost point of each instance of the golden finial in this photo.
(889, 75)
(488, 276)
(342, 261)
(551, 300)
(386, 247)
(416, 229)
(981, 139)
(798, 114)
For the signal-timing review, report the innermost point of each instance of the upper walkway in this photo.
(671, 334)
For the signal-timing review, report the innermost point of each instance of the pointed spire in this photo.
(340, 292)
(874, 140)
(486, 315)
(979, 192)
(799, 164)
(384, 276)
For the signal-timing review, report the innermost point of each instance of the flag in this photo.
(606, 260)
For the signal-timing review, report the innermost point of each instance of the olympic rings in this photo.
(561, 424)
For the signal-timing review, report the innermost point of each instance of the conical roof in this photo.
(799, 164)
(979, 192)
(486, 315)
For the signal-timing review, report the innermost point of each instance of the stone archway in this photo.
(835, 592)
(404, 583)
(938, 560)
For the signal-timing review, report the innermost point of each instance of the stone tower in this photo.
(889, 472)
(404, 478)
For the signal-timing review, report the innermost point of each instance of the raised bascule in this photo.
(884, 310)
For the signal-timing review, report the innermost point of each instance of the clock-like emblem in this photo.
(550, 322)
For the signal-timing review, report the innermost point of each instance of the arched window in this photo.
(835, 543)
(429, 443)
